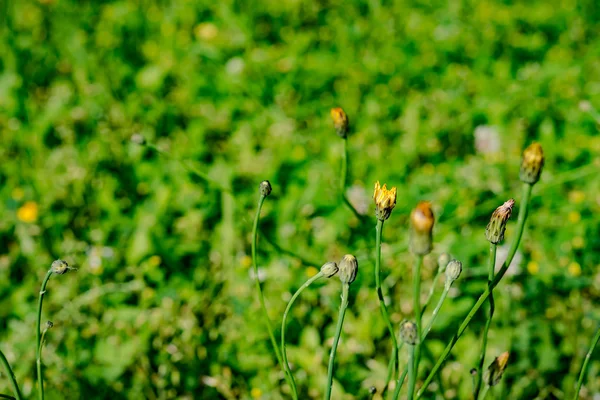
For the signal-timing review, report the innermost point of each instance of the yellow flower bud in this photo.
(340, 122)
(496, 369)
(385, 201)
(532, 164)
(421, 223)
(494, 231)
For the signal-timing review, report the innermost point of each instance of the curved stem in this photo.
(417, 307)
(588, 356)
(38, 337)
(382, 305)
(511, 253)
(283, 326)
(411, 372)
(491, 266)
(259, 289)
(11, 376)
(336, 339)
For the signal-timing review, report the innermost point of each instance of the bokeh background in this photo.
(442, 98)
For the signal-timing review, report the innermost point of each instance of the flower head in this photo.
(60, 267)
(340, 122)
(532, 164)
(385, 201)
(494, 231)
(421, 223)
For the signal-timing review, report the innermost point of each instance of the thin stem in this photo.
(511, 253)
(588, 356)
(411, 372)
(11, 376)
(417, 307)
(344, 179)
(431, 290)
(258, 287)
(38, 337)
(283, 326)
(382, 306)
(336, 339)
(484, 392)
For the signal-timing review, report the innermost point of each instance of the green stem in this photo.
(283, 325)
(417, 307)
(11, 376)
(431, 290)
(336, 339)
(411, 371)
(344, 179)
(38, 337)
(588, 356)
(382, 306)
(511, 253)
(484, 393)
(258, 287)
(491, 267)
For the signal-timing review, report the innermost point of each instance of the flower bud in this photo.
(421, 222)
(408, 332)
(265, 188)
(49, 324)
(329, 269)
(59, 267)
(385, 201)
(340, 122)
(453, 271)
(532, 164)
(496, 369)
(348, 268)
(494, 231)
(443, 261)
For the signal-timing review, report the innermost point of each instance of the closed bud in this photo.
(493, 374)
(60, 267)
(421, 223)
(329, 269)
(532, 164)
(49, 324)
(348, 268)
(385, 201)
(265, 188)
(443, 261)
(494, 231)
(340, 122)
(408, 332)
(453, 271)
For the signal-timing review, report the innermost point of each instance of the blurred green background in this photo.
(442, 98)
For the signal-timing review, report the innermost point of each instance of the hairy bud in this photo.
(265, 188)
(329, 269)
(494, 231)
(348, 268)
(421, 223)
(340, 122)
(453, 271)
(59, 267)
(408, 332)
(532, 164)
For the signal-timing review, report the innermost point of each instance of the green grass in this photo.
(163, 305)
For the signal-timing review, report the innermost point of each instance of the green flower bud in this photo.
(340, 122)
(493, 374)
(532, 164)
(453, 271)
(443, 261)
(408, 332)
(348, 268)
(329, 269)
(494, 232)
(265, 188)
(59, 267)
(49, 324)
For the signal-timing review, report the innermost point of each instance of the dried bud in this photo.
(408, 332)
(421, 222)
(385, 201)
(453, 271)
(494, 372)
(340, 122)
(329, 269)
(348, 268)
(532, 164)
(494, 231)
(138, 139)
(59, 267)
(265, 188)
(443, 261)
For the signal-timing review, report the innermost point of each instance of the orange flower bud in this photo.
(340, 122)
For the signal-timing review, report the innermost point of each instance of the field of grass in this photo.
(442, 99)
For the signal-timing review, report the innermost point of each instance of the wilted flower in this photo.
(348, 268)
(421, 223)
(532, 164)
(329, 269)
(494, 231)
(494, 372)
(385, 201)
(265, 188)
(340, 122)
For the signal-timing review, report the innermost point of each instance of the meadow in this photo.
(442, 99)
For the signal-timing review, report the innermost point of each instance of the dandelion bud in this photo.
(385, 201)
(49, 324)
(494, 372)
(265, 188)
(408, 332)
(329, 269)
(340, 122)
(494, 231)
(443, 261)
(421, 222)
(59, 267)
(348, 268)
(532, 164)
(138, 139)
(453, 271)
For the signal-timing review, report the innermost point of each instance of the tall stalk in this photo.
(11, 376)
(417, 307)
(411, 371)
(491, 266)
(336, 339)
(484, 296)
(588, 356)
(38, 337)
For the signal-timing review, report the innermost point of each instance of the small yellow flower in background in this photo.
(154, 261)
(311, 271)
(574, 217)
(533, 267)
(256, 393)
(385, 201)
(246, 261)
(574, 268)
(28, 212)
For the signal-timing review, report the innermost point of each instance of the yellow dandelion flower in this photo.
(28, 212)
